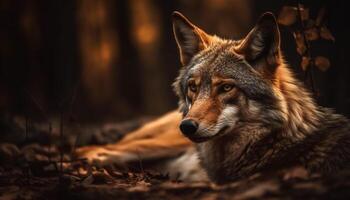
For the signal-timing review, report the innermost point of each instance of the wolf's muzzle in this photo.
(188, 127)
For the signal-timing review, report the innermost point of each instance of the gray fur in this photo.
(278, 126)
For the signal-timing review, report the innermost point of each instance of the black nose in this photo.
(188, 126)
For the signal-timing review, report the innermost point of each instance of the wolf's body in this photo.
(242, 108)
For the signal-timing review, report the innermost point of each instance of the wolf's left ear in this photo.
(262, 42)
(189, 38)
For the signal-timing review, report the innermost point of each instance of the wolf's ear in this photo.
(262, 42)
(189, 38)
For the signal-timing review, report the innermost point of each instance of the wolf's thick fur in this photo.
(248, 113)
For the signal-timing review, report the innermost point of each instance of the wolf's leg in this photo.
(166, 145)
(158, 139)
(155, 128)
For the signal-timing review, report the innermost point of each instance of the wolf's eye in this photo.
(192, 87)
(227, 87)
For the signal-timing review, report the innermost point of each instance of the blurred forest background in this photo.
(114, 60)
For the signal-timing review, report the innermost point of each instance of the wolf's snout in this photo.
(188, 127)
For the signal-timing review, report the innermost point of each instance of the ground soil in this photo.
(41, 166)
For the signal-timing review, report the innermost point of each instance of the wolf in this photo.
(241, 111)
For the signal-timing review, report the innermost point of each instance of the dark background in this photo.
(114, 60)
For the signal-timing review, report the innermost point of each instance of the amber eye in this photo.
(227, 87)
(192, 87)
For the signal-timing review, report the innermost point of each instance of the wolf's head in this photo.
(226, 84)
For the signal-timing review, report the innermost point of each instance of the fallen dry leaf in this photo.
(259, 190)
(296, 172)
(8, 152)
(88, 180)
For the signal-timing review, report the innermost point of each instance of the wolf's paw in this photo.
(99, 156)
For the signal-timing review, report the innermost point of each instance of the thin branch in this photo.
(38, 105)
(50, 142)
(308, 71)
(61, 143)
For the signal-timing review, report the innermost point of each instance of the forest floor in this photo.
(40, 166)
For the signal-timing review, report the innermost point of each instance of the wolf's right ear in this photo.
(263, 41)
(189, 38)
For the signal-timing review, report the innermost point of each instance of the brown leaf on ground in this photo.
(259, 190)
(8, 152)
(296, 172)
(102, 177)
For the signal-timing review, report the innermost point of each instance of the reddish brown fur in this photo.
(279, 125)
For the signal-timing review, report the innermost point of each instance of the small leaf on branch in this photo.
(305, 62)
(326, 34)
(312, 34)
(304, 13)
(309, 24)
(300, 42)
(320, 16)
(287, 16)
(322, 63)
